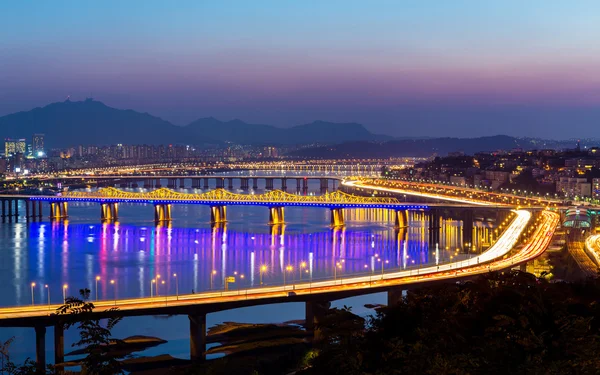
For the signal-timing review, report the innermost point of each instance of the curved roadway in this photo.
(497, 257)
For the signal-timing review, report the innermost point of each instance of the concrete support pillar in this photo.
(182, 183)
(467, 229)
(394, 296)
(244, 183)
(16, 208)
(148, 183)
(34, 205)
(276, 215)
(315, 311)
(324, 184)
(109, 211)
(220, 183)
(59, 344)
(3, 204)
(230, 183)
(40, 349)
(401, 218)
(255, 183)
(305, 184)
(40, 211)
(205, 185)
(27, 210)
(337, 217)
(269, 183)
(157, 183)
(298, 182)
(162, 212)
(218, 214)
(10, 212)
(283, 183)
(171, 182)
(197, 337)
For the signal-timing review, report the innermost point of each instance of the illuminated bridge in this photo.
(218, 200)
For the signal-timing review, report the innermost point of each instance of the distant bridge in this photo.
(163, 199)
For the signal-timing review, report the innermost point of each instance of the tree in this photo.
(95, 338)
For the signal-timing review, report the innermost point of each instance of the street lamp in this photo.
(112, 282)
(337, 265)
(287, 269)
(176, 285)
(263, 269)
(213, 272)
(97, 279)
(32, 286)
(157, 279)
(65, 287)
(382, 263)
(302, 267)
(151, 287)
(48, 288)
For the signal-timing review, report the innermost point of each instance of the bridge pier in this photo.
(324, 184)
(171, 182)
(109, 211)
(434, 227)
(230, 183)
(244, 183)
(205, 185)
(218, 214)
(298, 185)
(148, 183)
(162, 212)
(40, 349)
(283, 183)
(197, 337)
(58, 210)
(305, 184)
(157, 183)
(220, 183)
(255, 183)
(394, 296)
(337, 217)
(59, 345)
(276, 215)
(196, 183)
(401, 218)
(467, 230)
(182, 183)
(269, 183)
(315, 311)
(3, 210)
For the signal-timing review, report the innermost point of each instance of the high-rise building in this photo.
(14, 146)
(38, 145)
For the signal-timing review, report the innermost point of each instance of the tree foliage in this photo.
(499, 323)
(94, 336)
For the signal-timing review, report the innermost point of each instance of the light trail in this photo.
(495, 258)
(592, 243)
(358, 184)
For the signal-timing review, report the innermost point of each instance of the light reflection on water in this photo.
(134, 251)
(76, 252)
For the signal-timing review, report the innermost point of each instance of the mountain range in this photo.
(72, 123)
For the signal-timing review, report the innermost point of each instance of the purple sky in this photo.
(405, 68)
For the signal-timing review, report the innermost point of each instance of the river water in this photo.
(135, 251)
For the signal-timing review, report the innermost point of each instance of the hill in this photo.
(416, 147)
(72, 123)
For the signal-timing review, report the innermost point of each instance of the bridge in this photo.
(109, 200)
(316, 295)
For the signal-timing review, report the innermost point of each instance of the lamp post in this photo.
(65, 287)
(97, 279)
(337, 265)
(32, 286)
(176, 286)
(112, 282)
(287, 269)
(212, 273)
(48, 288)
(152, 287)
(157, 280)
(239, 284)
(302, 267)
(262, 270)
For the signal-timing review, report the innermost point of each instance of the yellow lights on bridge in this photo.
(220, 195)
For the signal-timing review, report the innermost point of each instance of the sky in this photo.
(400, 67)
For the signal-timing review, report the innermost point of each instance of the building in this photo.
(37, 144)
(574, 187)
(596, 188)
(14, 146)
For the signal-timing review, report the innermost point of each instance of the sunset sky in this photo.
(400, 67)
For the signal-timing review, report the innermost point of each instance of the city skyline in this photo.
(424, 69)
